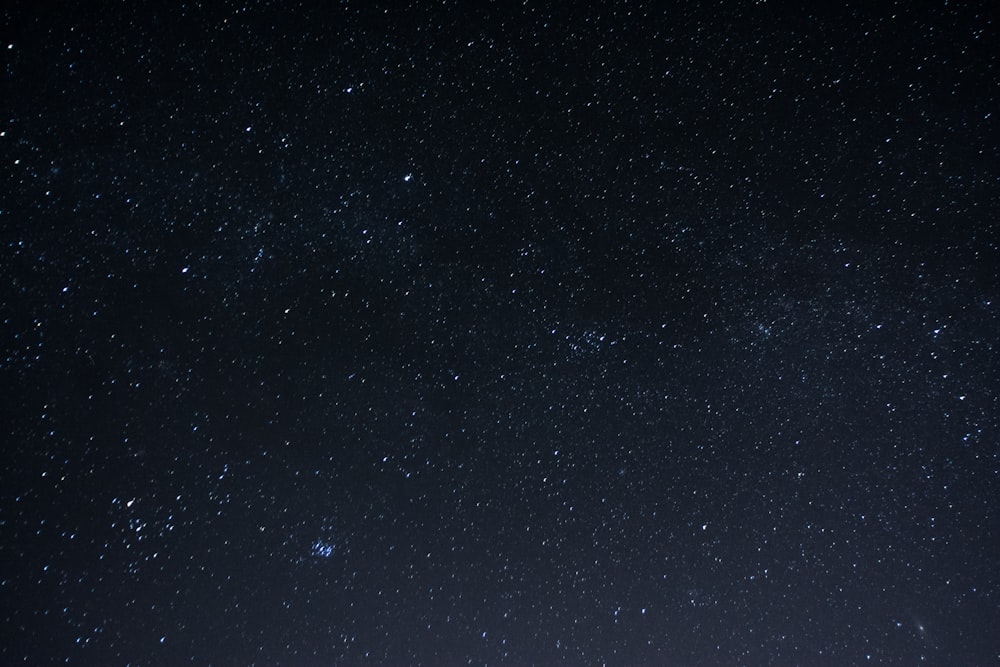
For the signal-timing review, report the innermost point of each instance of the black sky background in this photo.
(509, 334)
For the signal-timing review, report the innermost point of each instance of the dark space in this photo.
(447, 333)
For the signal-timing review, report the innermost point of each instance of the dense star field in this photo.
(515, 334)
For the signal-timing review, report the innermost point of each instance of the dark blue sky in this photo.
(439, 334)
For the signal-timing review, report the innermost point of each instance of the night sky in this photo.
(452, 333)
